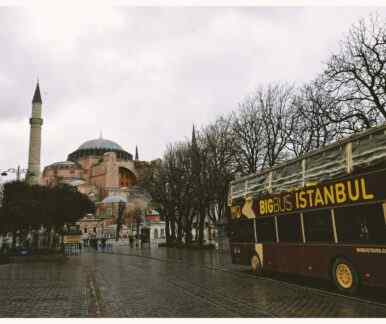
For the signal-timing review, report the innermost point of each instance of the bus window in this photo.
(289, 228)
(265, 229)
(241, 231)
(361, 224)
(317, 226)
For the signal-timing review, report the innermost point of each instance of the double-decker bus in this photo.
(322, 215)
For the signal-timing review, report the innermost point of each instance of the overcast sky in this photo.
(143, 76)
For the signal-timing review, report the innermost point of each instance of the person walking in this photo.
(103, 243)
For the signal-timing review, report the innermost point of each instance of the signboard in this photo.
(71, 239)
(364, 188)
(358, 189)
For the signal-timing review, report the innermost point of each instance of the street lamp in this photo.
(18, 171)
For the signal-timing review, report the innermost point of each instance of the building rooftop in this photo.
(100, 143)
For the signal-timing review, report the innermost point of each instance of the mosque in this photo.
(99, 168)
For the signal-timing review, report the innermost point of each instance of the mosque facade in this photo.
(108, 174)
(99, 168)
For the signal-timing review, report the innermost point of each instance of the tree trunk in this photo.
(201, 225)
(167, 230)
(179, 232)
(173, 230)
(138, 223)
(188, 233)
(14, 239)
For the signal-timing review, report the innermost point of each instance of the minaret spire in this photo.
(37, 97)
(35, 138)
(136, 153)
(194, 141)
(195, 154)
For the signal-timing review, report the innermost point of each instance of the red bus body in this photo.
(305, 216)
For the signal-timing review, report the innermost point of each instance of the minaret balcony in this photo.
(36, 121)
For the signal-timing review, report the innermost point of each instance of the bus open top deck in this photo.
(322, 214)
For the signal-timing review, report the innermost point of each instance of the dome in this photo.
(98, 147)
(76, 182)
(63, 164)
(100, 143)
(114, 199)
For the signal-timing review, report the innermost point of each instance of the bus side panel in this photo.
(297, 259)
(288, 258)
(370, 262)
(270, 262)
(318, 260)
(314, 260)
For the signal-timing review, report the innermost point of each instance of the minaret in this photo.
(136, 153)
(35, 138)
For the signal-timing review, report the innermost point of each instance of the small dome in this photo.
(100, 143)
(76, 182)
(114, 199)
(63, 164)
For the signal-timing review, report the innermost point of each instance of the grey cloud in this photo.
(144, 75)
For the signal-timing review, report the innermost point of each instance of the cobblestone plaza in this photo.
(162, 283)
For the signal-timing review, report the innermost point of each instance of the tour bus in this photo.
(321, 215)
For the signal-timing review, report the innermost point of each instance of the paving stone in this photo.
(160, 283)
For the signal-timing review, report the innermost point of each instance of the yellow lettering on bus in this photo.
(329, 197)
(270, 206)
(351, 195)
(262, 207)
(281, 204)
(318, 198)
(276, 205)
(366, 196)
(302, 200)
(340, 193)
(287, 203)
(310, 200)
(297, 200)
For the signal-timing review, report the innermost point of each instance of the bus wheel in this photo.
(344, 276)
(256, 264)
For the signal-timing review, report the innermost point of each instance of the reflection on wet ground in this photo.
(190, 285)
(222, 260)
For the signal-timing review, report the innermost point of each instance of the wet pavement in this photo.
(161, 283)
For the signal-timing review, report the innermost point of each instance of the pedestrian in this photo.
(103, 241)
(131, 240)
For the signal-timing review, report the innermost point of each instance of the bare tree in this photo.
(247, 130)
(219, 144)
(312, 128)
(275, 104)
(356, 76)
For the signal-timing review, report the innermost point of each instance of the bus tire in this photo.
(256, 265)
(344, 276)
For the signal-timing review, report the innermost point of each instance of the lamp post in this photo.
(18, 172)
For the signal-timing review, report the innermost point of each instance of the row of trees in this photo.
(29, 207)
(276, 122)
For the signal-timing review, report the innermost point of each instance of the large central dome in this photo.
(100, 143)
(98, 147)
